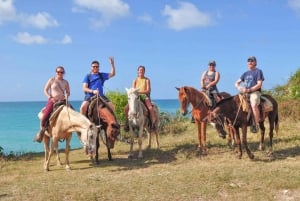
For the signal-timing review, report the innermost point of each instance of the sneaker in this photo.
(192, 120)
(254, 128)
(126, 128)
(39, 136)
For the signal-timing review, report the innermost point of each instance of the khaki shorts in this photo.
(255, 98)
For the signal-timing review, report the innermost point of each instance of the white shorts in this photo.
(255, 98)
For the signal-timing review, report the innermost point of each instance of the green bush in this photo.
(120, 101)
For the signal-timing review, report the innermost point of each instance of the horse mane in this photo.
(194, 94)
(221, 102)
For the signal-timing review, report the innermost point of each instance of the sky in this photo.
(173, 39)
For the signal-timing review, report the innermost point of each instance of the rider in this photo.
(144, 86)
(252, 81)
(93, 84)
(208, 82)
(56, 89)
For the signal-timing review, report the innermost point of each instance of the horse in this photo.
(230, 112)
(139, 121)
(199, 100)
(62, 123)
(103, 116)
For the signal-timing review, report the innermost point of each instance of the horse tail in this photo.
(276, 123)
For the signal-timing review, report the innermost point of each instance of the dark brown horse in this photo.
(199, 100)
(103, 116)
(230, 112)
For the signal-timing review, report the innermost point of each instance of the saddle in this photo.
(57, 107)
(264, 107)
(96, 100)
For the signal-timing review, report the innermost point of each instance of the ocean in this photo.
(19, 124)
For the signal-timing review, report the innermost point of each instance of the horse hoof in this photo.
(251, 156)
(130, 156)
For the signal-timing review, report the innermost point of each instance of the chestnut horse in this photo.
(230, 112)
(103, 116)
(199, 100)
(139, 121)
(62, 123)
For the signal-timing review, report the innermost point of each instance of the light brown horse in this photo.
(63, 122)
(199, 100)
(139, 121)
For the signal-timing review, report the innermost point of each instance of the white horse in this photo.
(62, 123)
(139, 121)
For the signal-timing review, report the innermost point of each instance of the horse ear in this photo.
(177, 88)
(126, 89)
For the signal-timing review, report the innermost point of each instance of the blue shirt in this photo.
(251, 77)
(95, 81)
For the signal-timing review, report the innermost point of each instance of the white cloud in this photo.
(109, 10)
(66, 40)
(40, 20)
(186, 16)
(7, 11)
(294, 4)
(145, 18)
(27, 39)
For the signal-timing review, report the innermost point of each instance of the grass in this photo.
(174, 172)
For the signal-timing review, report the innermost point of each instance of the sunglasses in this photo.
(60, 72)
(95, 66)
(250, 60)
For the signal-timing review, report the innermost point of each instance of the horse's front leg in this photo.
(130, 155)
(55, 148)
(203, 137)
(140, 142)
(67, 151)
(47, 150)
(149, 135)
(47, 162)
(108, 150)
(97, 149)
(245, 143)
(238, 142)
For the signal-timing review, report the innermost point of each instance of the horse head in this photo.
(133, 98)
(88, 138)
(183, 99)
(218, 121)
(109, 123)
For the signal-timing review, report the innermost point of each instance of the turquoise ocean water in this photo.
(19, 124)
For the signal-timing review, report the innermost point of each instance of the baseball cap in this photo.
(212, 62)
(252, 58)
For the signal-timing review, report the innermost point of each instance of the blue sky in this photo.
(174, 40)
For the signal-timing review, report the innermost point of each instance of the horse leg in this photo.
(262, 136)
(67, 151)
(272, 123)
(97, 149)
(203, 137)
(47, 151)
(108, 151)
(46, 165)
(140, 142)
(55, 146)
(238, 142)
(149, 135)
(199, 148)
(245, 143)
(130, 155)
(157, 138)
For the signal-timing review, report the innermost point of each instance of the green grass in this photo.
(174, 172)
